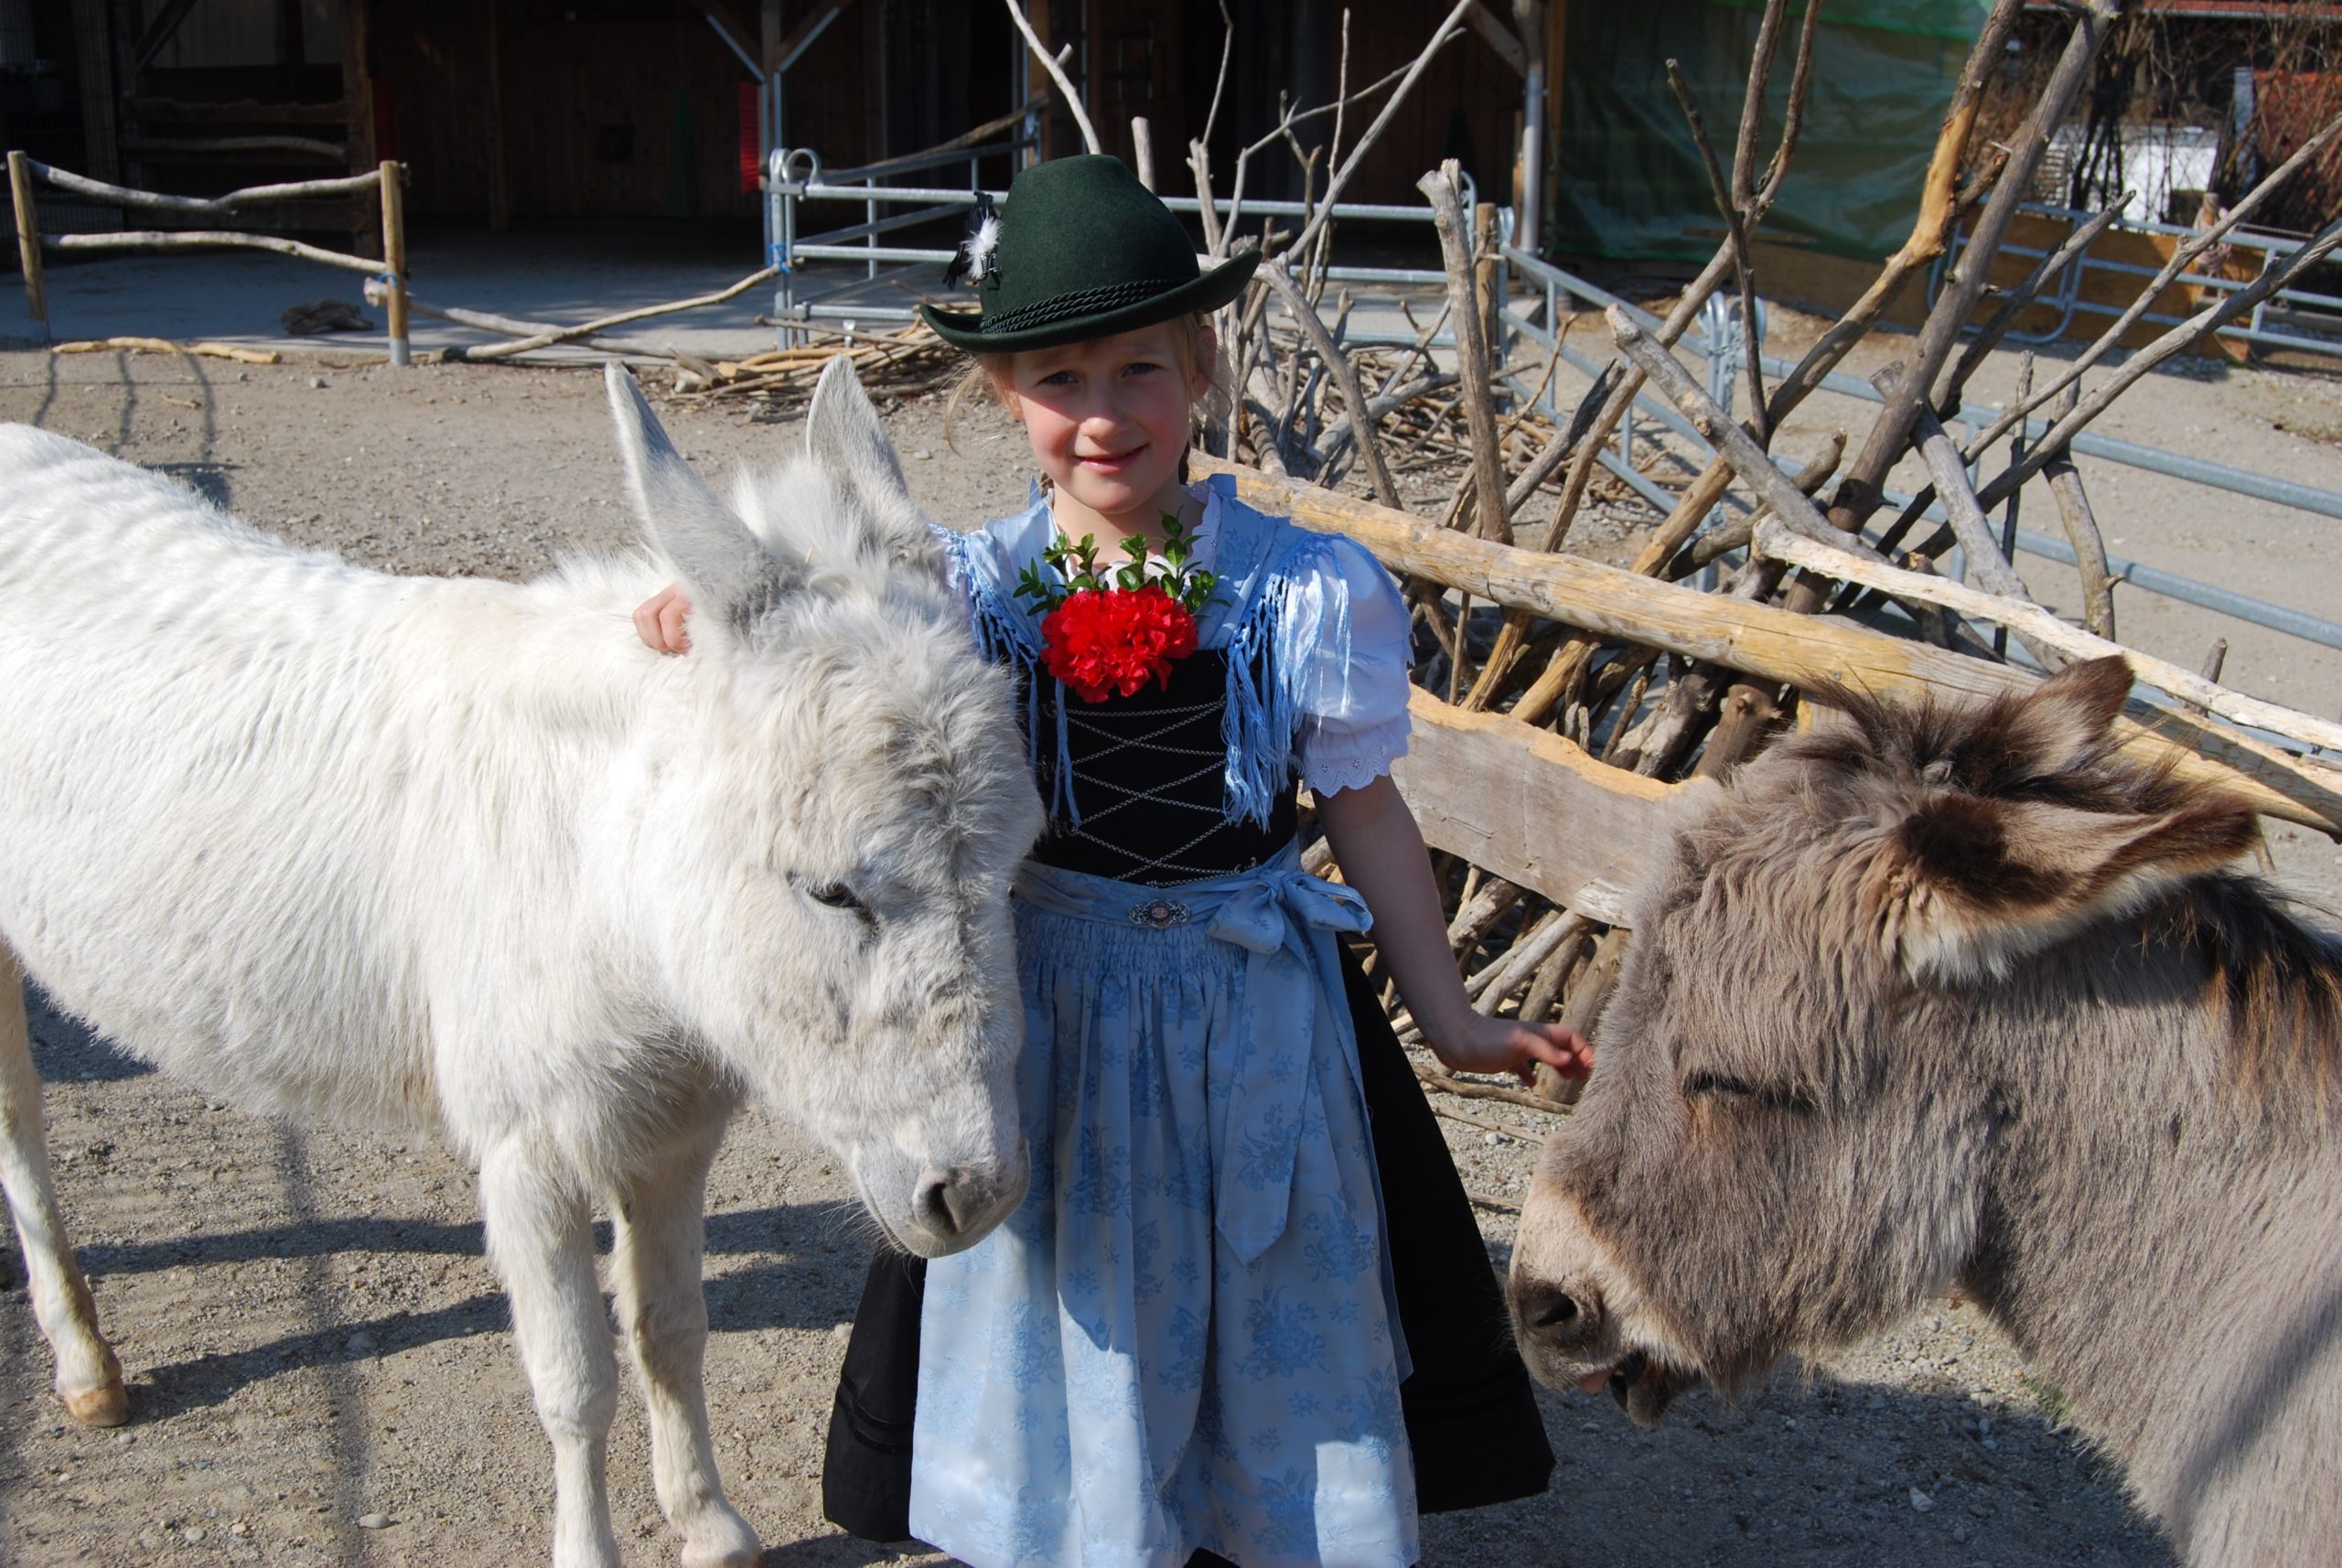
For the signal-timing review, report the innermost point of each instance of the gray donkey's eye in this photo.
(1723, 1089)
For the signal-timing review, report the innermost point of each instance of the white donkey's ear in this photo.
(729, 576)
(844, 434)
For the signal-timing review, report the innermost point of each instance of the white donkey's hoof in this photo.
(108, 1405)
(722, 1541)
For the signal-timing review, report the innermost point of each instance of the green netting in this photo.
(1954, 19)
(1629, 183)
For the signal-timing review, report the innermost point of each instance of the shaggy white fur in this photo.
(466, 856)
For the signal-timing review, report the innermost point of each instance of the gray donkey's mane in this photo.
(2277, 979)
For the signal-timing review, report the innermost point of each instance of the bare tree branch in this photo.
(1344, 374)
(1057, 74)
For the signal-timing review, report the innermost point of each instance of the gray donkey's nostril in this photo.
(1559, 1318)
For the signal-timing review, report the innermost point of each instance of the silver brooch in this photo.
(1160, 915)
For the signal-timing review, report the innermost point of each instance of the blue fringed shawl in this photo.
(1280, 607)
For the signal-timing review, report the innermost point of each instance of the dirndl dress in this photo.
(1191, 1339)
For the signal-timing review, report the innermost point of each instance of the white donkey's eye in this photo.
(832, 895)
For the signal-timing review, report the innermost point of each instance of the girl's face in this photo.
(1108, 421)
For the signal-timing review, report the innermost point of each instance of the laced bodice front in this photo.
(1149, 777)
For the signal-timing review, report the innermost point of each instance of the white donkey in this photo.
(465, 857)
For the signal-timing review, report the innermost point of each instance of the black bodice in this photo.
(1148, 774)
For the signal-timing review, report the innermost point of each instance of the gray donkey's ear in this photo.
(844, 434)
(728, 573)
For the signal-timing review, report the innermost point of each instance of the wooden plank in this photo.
(1530, 806)
(93, 56)
(1499, 38)
(1805, 651)
(2023, 615)
(158, 33)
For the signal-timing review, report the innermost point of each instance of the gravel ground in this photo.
(320, 1365)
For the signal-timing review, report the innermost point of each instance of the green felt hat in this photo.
(1081, 249)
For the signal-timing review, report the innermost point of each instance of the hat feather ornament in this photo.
(976, 251)
(980, 247)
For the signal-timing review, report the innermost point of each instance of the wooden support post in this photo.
(395, 256)
(499, 156)
(20, 186)
(1486, 264)
(94, 60)
(358, 94)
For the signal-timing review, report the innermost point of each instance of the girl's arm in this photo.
(1381, 854)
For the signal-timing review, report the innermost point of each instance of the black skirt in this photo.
(1471, 1419)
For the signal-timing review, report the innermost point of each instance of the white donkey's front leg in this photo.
(662, 1311)
(539, 1233)
(88, 1379)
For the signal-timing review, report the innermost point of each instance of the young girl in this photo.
(1245, 1313)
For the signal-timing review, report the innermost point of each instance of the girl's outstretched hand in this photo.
(1507, 1045)
(658, 620)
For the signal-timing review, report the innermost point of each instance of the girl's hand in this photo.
(1506, 1044)
(658, 620)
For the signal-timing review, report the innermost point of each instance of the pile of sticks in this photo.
(909, 362)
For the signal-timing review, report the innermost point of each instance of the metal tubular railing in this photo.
(2169, 584)
(2069, 301)
(795, 176)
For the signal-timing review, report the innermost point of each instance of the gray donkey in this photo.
(1940, 998)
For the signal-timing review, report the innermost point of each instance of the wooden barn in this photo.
(522, 111)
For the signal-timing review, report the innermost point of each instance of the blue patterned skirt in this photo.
(1185, 1339)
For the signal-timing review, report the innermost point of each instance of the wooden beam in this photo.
(499, 153)
(292, 38)
(1779, 543)
(1498, 37)
(740, 21)
(93, 69)
(1806, 651)
(807, 30)
(358, 94)
(1527, 805)
(158, 33)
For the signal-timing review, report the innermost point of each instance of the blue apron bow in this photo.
(1286, 919)
(1258, 1069)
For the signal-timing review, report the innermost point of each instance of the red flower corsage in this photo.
(1116, 639)
(1100, 637)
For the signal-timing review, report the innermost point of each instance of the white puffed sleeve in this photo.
(1354, 701)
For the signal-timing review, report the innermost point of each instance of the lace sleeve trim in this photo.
(1331, 764)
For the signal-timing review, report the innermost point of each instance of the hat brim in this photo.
(1209, 291)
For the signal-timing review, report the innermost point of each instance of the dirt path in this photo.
(320, 1367)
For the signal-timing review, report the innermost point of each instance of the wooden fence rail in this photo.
(387, 182)
(1804, 651)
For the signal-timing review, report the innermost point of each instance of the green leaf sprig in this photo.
(1076, 570)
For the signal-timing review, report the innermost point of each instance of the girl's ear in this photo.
(1205, 374)
(1001, 372)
